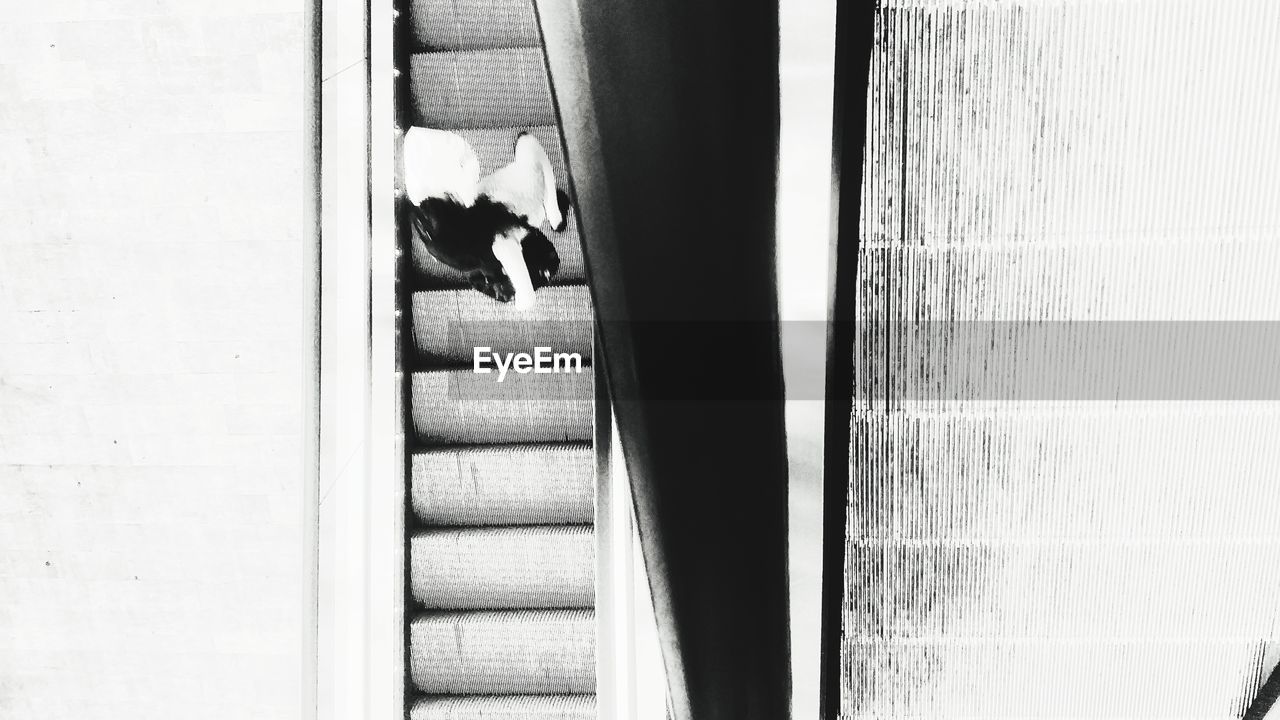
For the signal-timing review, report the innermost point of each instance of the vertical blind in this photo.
(1052, 190)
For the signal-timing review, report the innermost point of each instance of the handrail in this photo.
(361, 538)
(854, 40)
(615, 570)
(670, 117)
(386, 646)
(308, 680)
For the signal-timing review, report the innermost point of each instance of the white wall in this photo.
(151, 346)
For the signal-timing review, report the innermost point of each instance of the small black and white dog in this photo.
(490, 228)
(469, 239)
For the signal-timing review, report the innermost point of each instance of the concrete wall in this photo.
(151, 356)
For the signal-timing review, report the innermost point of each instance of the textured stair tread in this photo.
(449, 324)
(460, 407)
(504, 485)
(505, 707)
(474, 24)
(503, 88)
(525, 652)
(433, 273)
(548, 566)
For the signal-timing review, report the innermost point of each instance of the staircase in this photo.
(502, 477)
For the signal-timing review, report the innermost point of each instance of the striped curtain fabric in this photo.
(1053, 514)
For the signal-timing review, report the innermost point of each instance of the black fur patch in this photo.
(541, 257)
(462, 238)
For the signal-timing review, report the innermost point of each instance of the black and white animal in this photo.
(478, 240)
(490, 228)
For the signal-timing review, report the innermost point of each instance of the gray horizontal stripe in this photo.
(520, 652)
(501, 568)
(449, 324)
(506, 707)
(481, 89)
(474, 24)
(505, 485)
(461, 407)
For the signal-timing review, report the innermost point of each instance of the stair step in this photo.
(505, 707)
(474, 24)
(435, 274)
(527, 652)
(449, 324)
(550, 566)
(504, 485)
(506, 88)
(460, 407)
